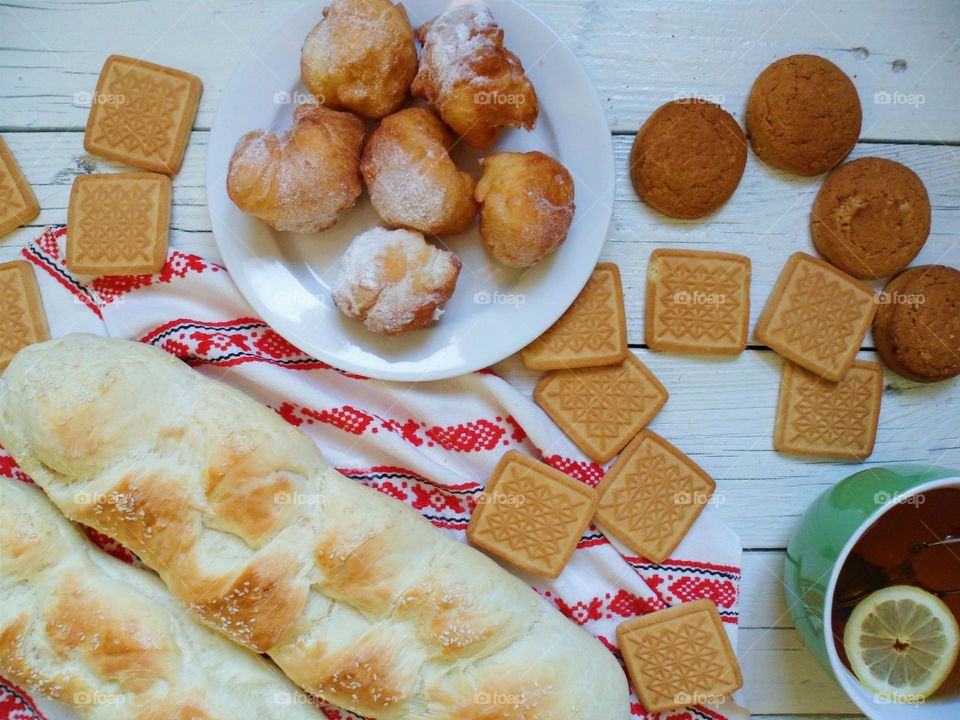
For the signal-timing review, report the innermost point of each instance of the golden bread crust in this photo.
(415, 636)
(108, 639)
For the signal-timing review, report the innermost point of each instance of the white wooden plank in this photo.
(721, 413)
(782, 677)
(767, 219)
(641, 54)
(638, 54)
(763, 600)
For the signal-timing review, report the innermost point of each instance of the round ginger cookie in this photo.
(871, 217)
(803, 115)
(688, 158)
(917, 327)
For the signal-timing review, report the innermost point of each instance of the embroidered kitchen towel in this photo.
(431, 445)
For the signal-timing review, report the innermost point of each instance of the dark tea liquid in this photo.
(889, 553)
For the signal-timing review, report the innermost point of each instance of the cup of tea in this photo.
(891, 529)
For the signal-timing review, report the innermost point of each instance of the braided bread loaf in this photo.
(355, 596)
(107, 639)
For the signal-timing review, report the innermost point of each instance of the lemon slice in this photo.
(902, 643)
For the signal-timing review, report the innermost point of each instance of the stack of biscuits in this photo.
(533, 516)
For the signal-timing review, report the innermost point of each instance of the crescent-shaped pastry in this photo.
(301, 179)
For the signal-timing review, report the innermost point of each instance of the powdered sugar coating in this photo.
(299, 180)
(474, 82)
(394, 280)
(458, 36)
(360, 57)
(526, 206)
(411, 178)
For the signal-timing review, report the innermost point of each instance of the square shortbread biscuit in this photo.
(118, 223)
(142, 114)
(826, 419)
(817, 316)
(592, 332)
(679, 656)
(22, 320)
(602, 408)
(698, 301)
(651, 496)
(18, 204)
(531, 515)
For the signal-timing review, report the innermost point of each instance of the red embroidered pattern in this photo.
(467, 437)
(231, 342)
(678, 581)
(588, 472)
(15, 704)
(44, 252)
(611, 606)
(178, 265)
(10, 469)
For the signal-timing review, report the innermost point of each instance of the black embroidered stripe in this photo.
(688, 570)
(51, 264)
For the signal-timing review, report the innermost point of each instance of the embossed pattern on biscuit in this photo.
(817, 316)
(680, 656)
(818, 417)
(22, 321)
(590, 333)
(531, 515)
(118, 224)
(602, 408)
(651, 496)
(142, 114)
(18, 205)
(698, 301)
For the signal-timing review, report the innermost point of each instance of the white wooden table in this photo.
(905, 60)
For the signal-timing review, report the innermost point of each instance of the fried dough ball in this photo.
(302, 179)
(394, 280)
(360, 57)
(412, 180)
(526, 206)
(475, 84)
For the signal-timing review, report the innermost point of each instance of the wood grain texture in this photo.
(767, 219)
(721, 413)
(638, 55)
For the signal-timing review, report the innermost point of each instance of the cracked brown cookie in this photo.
(871, 217)
(688, 158)
(803, 115)
(917, 328)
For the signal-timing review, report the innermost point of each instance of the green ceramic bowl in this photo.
(817, 550)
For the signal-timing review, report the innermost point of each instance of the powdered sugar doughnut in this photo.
(394, 280)
(361, 57)
(412, 180)
(526, 206)
(470, 78)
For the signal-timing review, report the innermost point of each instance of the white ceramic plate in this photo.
(495, 310)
